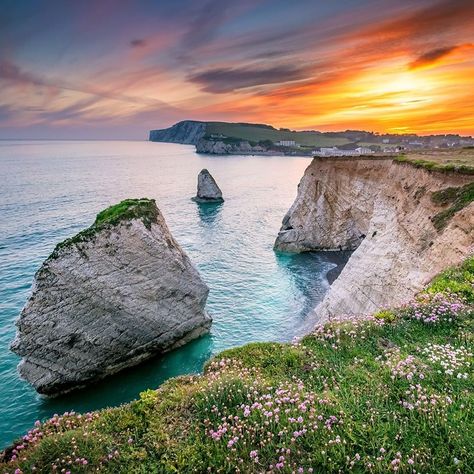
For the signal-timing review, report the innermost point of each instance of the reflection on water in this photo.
(209, 211)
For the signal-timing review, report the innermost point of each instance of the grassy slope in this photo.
(368, 396)
(256, 134)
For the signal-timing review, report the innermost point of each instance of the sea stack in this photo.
(114, 295)
(207, 189)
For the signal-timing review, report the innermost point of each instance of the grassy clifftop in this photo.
(390, 393)
(446, 161)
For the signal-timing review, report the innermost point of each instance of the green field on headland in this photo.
(392, 392)
(257, 133)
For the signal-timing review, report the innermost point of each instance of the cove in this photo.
(53, 189)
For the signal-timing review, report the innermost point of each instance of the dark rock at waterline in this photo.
(207, 189)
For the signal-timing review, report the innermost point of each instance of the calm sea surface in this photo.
(52, 189)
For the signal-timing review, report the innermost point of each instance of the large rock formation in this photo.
(403, 227)
(207, 188)
(112, 296)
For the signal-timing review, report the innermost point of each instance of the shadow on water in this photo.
(209, 211)
(127, 384)
(311, 273)
(339, 259)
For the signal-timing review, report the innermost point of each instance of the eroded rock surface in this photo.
(112, 296)
(207, 188)
(385, 211)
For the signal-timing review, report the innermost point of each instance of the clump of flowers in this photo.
(56, 424)
(269, 424)
(408, 367)
(347, 327)
(417, 398)
(449, 360)
(435, 309)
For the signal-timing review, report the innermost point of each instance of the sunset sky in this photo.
(115, 69)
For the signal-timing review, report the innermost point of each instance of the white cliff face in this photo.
(207, 188)
(383, 210)
(187, 132)
(111, 300)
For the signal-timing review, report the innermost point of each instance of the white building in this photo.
(363, 150)
(286, 143)
(334, 151)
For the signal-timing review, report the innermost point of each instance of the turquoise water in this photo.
(52, 189)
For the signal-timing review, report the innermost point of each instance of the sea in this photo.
(50, 190)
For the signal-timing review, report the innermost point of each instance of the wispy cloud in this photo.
(326, 65)
(221, 80)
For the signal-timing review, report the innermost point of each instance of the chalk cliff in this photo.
(186, 132)
(114, 295)
(405, 225)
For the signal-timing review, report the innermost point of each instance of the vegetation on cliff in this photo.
(455, 198)
(128, 209)
(389, 393)
(457, 161)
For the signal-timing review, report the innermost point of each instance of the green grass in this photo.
(144, 209)
(458, 161)
(456, 198)
(459, 280)
(128, 209)
(358, 396)
(256, 133)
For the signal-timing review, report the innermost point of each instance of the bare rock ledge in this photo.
(403, 223)
(114, 295)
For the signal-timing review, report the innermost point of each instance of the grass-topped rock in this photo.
(114, 295)
(126, 210)
(392, 392)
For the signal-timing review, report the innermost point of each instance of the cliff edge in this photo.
(405, 225)
(114, 295)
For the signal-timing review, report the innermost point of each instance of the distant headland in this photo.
(225, 138)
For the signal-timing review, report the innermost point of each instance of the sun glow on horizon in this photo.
(403, 68)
